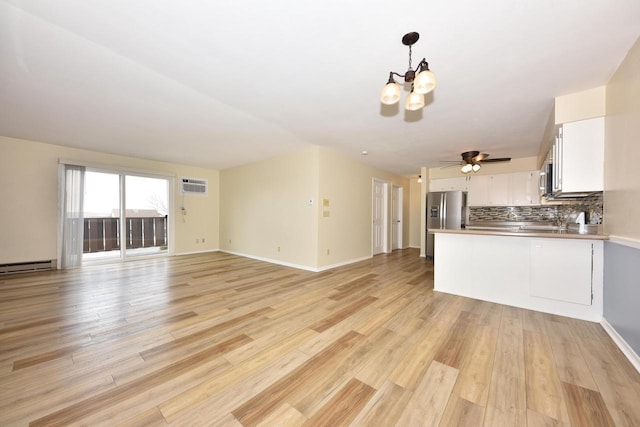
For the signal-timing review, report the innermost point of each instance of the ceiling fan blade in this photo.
(480, 157)
(450, 161)
(457, 164)
(499, 159)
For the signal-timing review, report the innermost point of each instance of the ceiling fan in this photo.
(471, 161)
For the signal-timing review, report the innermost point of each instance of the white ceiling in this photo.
(218, 84)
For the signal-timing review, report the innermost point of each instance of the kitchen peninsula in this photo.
(552, 271)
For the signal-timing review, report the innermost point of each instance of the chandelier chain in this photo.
(410, 57)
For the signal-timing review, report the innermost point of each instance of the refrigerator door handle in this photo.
(443, 211)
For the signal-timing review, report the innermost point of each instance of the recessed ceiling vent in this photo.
(193, 186)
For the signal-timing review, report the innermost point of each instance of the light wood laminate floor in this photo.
(217, 339)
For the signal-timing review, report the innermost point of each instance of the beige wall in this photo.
(622, 149)
(548, 139)
(580, 105)
(29, 194)
(265, 206)
(347, 184)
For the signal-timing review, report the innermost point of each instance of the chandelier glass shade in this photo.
(390, 93)
(422, 81)
(415, 101)
(425, 82)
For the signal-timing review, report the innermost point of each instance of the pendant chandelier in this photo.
(422, 80)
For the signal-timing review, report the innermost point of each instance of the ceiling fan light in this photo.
(390, 93)
(476, 167)
(424, 82)
(466, 168)
(415, 101)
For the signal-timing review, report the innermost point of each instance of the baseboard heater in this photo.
(24, 267)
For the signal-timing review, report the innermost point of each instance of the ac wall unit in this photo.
(193, 186)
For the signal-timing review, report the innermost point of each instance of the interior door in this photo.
(379, 215)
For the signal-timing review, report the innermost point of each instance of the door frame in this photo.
(397, 227)
(122, 175)
(385, 215)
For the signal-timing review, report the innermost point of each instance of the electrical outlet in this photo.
(203, 240)
(278, 248)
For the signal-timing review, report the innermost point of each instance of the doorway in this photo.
(125, 215)
(379, 214)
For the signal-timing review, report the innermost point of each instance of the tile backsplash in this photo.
(591, 205)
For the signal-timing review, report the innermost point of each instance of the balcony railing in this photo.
(103, 234)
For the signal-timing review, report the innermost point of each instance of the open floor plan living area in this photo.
(328, 213)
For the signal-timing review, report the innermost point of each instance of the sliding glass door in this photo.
(146, 214)
(124, 215)
(101, 216)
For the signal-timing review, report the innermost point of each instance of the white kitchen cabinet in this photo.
(578, 157)
(449, 184)
(561, 270)
(524, 188)
(509, 189)
(479, 190)
(499, 189)
(562, 276)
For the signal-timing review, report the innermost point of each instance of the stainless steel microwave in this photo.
(546, 180)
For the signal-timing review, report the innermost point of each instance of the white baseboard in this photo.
(273, 261)
(622, 344)
(204, 251)
(298, 266)
(340, 264)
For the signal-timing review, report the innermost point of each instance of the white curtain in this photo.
(72, 216)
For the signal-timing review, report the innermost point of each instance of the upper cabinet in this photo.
(524, 188)
(578, 157)
(449, 184)
(510, 189)
(479, 190)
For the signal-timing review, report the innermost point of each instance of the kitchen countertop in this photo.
(505, 231)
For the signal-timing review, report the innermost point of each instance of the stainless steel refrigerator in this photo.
(446, 209)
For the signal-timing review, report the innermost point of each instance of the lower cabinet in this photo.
(561, 270)
(562, 276)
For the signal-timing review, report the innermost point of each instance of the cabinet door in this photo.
(560, 269)
(523, 188)
(499, 190)
(448, 184)
(582, 157)
(479, 190)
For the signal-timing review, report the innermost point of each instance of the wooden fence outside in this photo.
(103, 234)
